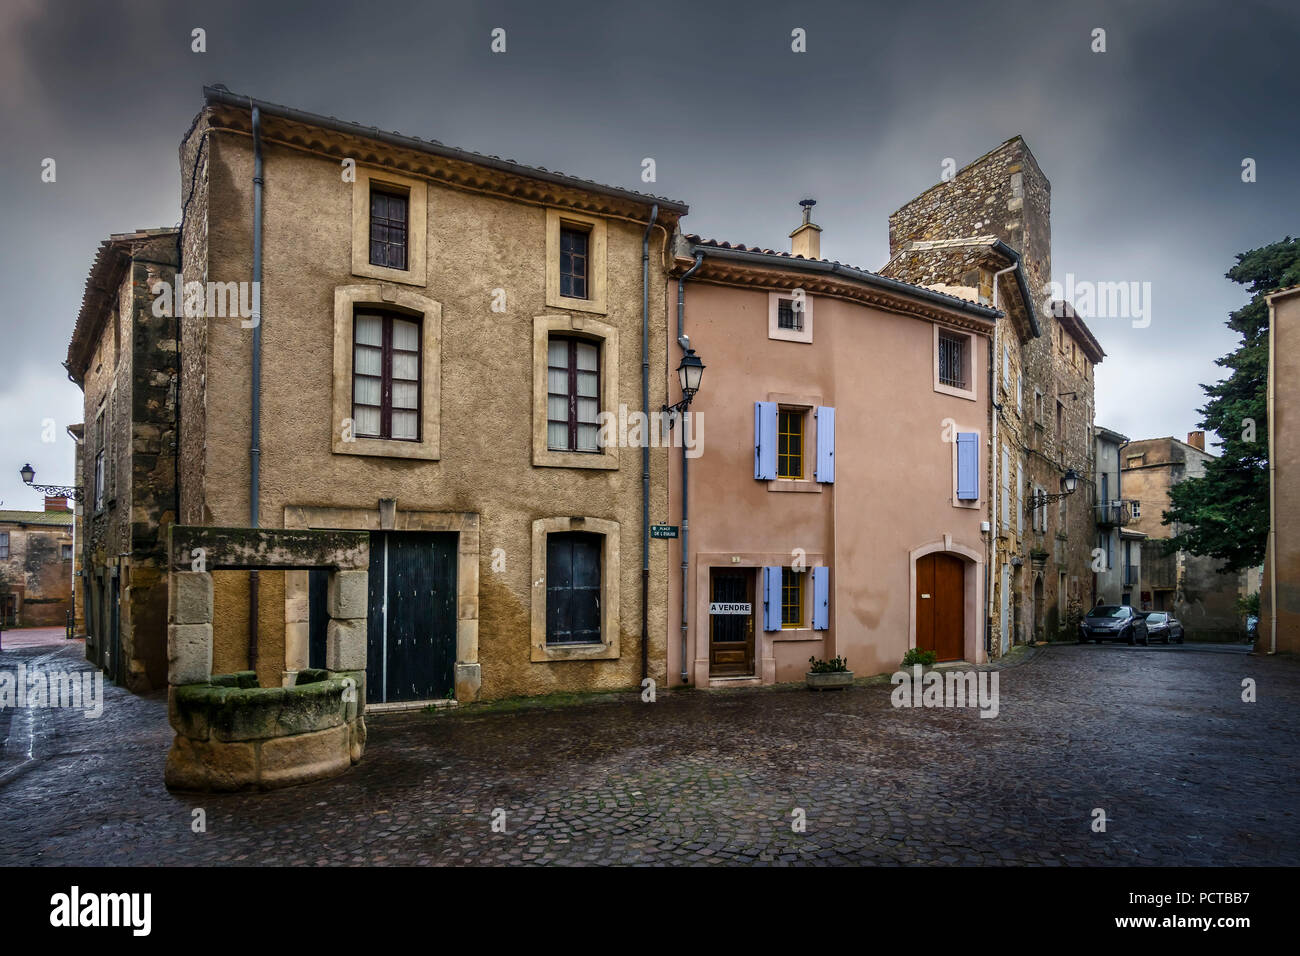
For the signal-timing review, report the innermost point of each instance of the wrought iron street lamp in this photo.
(28, 474)
(1068, 485)
(689, 373)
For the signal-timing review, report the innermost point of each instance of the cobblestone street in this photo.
(1158, 738)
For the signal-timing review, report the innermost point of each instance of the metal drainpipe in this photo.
(645, 444)
(684, 341)
(255, 431)
(995, 454)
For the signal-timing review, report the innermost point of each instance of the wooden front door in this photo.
(731, 630)
(941, 605)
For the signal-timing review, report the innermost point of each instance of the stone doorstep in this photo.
(717, 683)
(396, 706)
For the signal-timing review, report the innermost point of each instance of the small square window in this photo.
(954, 362)
(787, 317)
(388, 228)
(574, 260)
(65, 552)
(790, 444)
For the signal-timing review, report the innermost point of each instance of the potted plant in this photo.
(915, 656)
(832, 674)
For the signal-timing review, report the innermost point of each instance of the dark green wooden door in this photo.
(411, 631)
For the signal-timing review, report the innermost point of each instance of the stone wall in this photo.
(130, 394)
(1005, 194)
(36, 573)
(1205, 598)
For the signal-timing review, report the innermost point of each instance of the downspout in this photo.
(684, 341)
(255, 430)
(995, 454)
(645, 444)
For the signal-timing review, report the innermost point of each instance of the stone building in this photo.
(1279, 594)
(440, 333)
(1193, 587)
(36, 566)
(1043, 356)
(1117, 562)
(124, 357)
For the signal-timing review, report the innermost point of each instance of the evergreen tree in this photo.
(1224, 513)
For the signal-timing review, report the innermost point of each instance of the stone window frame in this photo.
(593, 330)
(808, 405)
(416, 226)
(597, 262)
(466, 524)
(610, 583)
(774, 330)
(390, 298)
(970, 394)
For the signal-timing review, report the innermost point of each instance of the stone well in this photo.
(232, 734)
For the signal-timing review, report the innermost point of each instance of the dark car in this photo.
(1163, 626)
(1113, 622)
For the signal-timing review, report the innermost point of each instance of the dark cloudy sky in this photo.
(1143, 143)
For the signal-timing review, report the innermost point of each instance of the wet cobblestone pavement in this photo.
(1158, 738)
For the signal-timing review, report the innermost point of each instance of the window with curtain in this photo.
(573, 394)
(386, 376)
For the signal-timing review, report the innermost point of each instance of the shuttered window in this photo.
(789, 451)
(573, 569)
(791, 598)
(386, 377)
(573, 395)
(4, 544)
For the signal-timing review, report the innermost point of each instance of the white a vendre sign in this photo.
(723, 607)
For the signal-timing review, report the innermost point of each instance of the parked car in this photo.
(1163, 626)
(1113, 622)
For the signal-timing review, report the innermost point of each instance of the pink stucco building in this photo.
(837, 486)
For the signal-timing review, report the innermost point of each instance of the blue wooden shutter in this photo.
(821, 599)
(765, 440)
(968, 476)
(825, 444)
(772, 599)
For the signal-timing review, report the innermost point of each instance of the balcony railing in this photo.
(1114, 514)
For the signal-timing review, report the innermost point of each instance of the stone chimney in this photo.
(806, 240)
(1196, 440)
(53, 503)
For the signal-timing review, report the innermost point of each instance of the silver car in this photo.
(1163, 626)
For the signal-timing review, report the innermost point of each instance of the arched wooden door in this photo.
(941, 605)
